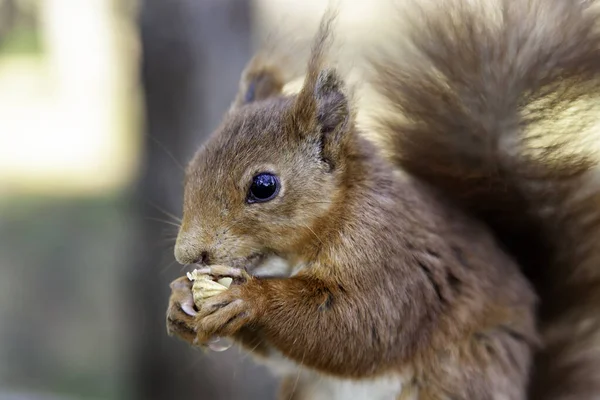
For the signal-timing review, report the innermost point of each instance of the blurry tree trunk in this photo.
(193, 53)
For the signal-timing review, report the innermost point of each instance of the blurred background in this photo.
(101, 104)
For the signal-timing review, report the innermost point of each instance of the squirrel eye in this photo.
(265, 187)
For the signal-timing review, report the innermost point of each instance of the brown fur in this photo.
(395, 279)
(488, 122)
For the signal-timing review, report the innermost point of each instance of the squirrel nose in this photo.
(186, 257)
(203, 258)
(192, 247)
(186, 253)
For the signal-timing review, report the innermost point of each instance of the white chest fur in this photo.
(388, 388)
(310, 385)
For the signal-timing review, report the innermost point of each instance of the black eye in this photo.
(265, 187)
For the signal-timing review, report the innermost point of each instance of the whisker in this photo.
(163, 245)
(318, 202)
(165, 269)
(162, 146)
(184, 266)
(313, 232)
(231, 225)
(297, 377)
(168, 214)
(163, 221)
(244, 354)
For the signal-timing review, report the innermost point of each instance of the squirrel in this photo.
(463, 263)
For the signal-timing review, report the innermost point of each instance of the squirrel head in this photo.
(271, 170)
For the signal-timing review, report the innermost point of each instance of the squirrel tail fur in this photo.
(497, 105)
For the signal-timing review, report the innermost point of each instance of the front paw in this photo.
(226, 313)
(181, 313)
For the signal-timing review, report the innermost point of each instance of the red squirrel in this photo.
(413, 274)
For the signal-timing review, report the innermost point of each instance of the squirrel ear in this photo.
(332, 104)
(332, 114)
(259, 82)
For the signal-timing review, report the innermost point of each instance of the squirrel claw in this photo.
(189, 309)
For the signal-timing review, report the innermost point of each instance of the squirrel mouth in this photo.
(253, 261)
(249, 263)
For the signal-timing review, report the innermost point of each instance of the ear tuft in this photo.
(327, 82)
(332, 103)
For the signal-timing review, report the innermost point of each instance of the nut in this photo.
(204, 286)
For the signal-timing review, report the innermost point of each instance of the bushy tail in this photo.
(497, 104)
